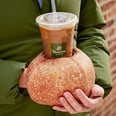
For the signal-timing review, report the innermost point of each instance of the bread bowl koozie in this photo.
(48, 79)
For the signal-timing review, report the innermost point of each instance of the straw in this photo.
(53, 5)
(54, 10)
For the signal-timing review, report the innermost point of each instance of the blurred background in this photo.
(108, 106)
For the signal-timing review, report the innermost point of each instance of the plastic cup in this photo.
(57, 31)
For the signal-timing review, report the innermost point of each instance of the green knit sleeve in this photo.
(10, 72)
(91, 40)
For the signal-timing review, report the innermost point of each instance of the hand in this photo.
(72, 105)
(23, 79)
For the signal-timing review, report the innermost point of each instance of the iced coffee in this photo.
(57, 31)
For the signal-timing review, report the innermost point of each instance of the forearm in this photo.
(92, 42)
(90, 39)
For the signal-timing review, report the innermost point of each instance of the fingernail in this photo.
(78, 91)
(66, 94)
(61, 99)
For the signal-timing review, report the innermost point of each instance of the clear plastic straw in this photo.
(53, 5)
(54, 10)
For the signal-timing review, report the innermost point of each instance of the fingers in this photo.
(80, 102)
(72, 100)
(66, 105)
(59, 108)
(86, 101)
(97, 91)
(70, 104)
(74, 103)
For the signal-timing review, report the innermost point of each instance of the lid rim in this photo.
(75, 20)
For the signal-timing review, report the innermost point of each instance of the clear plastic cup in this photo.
(57, 31)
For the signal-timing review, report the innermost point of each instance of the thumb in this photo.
(97, 91)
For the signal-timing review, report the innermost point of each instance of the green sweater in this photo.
(20, 42)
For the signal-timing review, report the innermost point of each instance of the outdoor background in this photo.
(108, 106)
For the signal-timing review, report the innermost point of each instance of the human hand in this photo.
(23, 79)
(73, 105)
